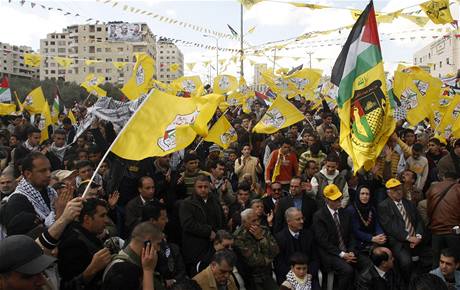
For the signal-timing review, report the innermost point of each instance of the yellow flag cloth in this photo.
(91, 84)
(119, 64)
(45, 121)
(174, 67)
(303, 82)
(249, 3)
(450, 123)
(438, 11)
(32, 59)
(34, 101)
(188, 86)
(222, 133)
(63, 61)
(190, 65)
(415, 90)
(281, 114)
(439, 107)
(277, 169)
(72, 118)
(306, 5)
(18, 102)
(162, 125)
(224, 84)
(138, 83)
(7, 109)
(419, 20)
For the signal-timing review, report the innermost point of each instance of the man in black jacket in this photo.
(200, 217)
(294, 238)
(403, 225)
(380, 275)
(333, 234)
(298, 199)
(81, 257)
(133, 210)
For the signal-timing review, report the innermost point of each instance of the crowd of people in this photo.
(279, 211)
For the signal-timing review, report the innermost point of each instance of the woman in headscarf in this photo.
(365, 225)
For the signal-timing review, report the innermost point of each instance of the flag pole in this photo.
(114, 142)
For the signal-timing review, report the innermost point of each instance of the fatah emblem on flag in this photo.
(274, 118)
(168, 141)
(224, 82)
(189, 86)
(421, 86)
(227, 137)
(299, 83)
(42, 122)
(367, 112)
(28, 101)
(140, 76)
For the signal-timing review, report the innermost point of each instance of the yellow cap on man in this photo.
(392, 183)
(332, 192)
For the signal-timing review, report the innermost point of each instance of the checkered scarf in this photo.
(298, 284)
(45, 213)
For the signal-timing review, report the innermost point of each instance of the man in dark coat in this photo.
(298, 199)
(146, 188)
(294, 238)
(381, 274)
(200, 217)
(333, 234)
(403, 225)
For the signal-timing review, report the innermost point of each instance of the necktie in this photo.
(407, 223)
(296, 236)
(339, 232)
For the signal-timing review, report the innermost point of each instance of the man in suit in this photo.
(298, 199)
(292, 239)
(333, 234)
(403, 226)
(272, 199)
(146, 188)
(380, 275)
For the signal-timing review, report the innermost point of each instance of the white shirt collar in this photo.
(332, 211)
(398, 203)
(381, 273)
(293, 233)
(142, 199)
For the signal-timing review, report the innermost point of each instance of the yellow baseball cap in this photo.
(393, 182)
(332, 192)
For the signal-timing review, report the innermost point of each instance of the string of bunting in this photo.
(166, 19)
(88, 20)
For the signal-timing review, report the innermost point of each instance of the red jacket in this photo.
(288, 169)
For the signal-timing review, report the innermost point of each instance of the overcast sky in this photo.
(23, 25)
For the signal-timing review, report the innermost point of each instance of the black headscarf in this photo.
(364, 210)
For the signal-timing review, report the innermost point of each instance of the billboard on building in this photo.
(125, 32)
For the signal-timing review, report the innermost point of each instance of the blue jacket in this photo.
(363, 235)
(438, 273)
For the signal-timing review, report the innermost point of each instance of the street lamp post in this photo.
(217, 51)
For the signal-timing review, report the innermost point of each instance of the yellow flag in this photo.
(303, 82)
(188, 86)
(449, 125)
(439, 107)
(72, 118)
(143, 71)
(415, 90)
(419, 20)
(7, 109)
(249, 3)
(251, 30)
(44, 122)
(34, 101)
(277, 84)
(222, 133)
(119, 64)
(190, 65)
(162, 125)
(91, 84)
(438, 11)
(63, 61)
(281, 114)
(224, 84)
(32, 59)
(306, 5)
(174, 67)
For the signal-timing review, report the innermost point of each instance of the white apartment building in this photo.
(168, 53)
(258, 68)
(95, 42)
(441, 56)
(12, 61)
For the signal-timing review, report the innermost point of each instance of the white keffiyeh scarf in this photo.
(35, 198)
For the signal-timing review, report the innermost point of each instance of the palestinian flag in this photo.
(366, 117)
(57, 107)
(5, 92)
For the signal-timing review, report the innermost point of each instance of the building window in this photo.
(434, 66)
(447, 61)
(440, 64)
(420, 60)
(120, 49)
(99, 29)
(429, 55)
